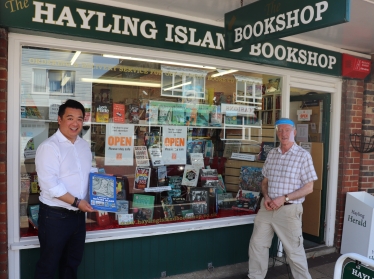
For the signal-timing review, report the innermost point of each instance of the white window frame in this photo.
(289, 77)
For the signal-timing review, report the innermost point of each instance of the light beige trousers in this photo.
(286, 223)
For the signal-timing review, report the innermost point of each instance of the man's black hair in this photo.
(70, 104)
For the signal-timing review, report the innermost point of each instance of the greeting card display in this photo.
(103, 192)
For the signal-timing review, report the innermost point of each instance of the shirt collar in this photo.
(292, 149)
(62, 138)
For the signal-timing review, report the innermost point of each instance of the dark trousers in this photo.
(62, 235)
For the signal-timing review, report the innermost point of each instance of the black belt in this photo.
(287, 203)
(61, 209)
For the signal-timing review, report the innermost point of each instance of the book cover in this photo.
(168, 208)
(33, 112)
(143, 207)
(122, 206)
(122, 188)
(142, 177)
(178, 117)
(221, 183)
(180, 204)
(162, 179)
(208, 149)
(23, 112)
(202, 117)
(208, 174)
(152, 114)
(191, 116)
(190, 175)
(141, 156)
(164, 115)
(195, 146)
(125, 219)
(188, 214)
(250, 178)
(105, 95)
(197, 159)
(87, 113)
(265, 148)
(175, 183)
(103, 192)
(226, 201)
(199, 198)
(215, 119)
(156, 156)
(246, 200)
(134, 113)
(102, 113)
(231, 119)
(118, 113)
(34, 215)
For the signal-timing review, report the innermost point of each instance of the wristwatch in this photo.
(287, 198)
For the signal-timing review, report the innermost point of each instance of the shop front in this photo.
(179, 123)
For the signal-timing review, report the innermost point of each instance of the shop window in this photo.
(186, 136)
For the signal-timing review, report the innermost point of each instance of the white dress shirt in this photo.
(63, 167)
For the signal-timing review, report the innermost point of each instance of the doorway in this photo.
(316, 132)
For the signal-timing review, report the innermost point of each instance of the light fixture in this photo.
(75, 57)
(121, 82)
(158, 61)
(176, 86)
(65, 80)
(145, 93)
(221, 73)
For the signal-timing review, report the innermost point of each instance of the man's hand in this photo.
(278, 202)
(85, 206)
(268, 203)
(273, 204)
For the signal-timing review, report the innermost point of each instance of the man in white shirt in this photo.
(288, 177)
(63, 163)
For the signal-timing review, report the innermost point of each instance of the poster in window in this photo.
(174, 145)
(119, 145)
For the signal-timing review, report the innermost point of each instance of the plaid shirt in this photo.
(288, 172)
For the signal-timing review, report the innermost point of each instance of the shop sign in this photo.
(351, 270)
(112, 24)
(272, 19)
(354, 67)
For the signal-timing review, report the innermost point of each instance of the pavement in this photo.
(321, 263)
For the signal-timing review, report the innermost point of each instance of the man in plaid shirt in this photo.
(288, 177)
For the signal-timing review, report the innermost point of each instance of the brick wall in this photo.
(349, 159)
(3, 153)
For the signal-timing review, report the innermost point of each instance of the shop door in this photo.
(317, 132)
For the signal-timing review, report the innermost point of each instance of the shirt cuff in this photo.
(58, 191)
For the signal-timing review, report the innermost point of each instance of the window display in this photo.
(164, 136)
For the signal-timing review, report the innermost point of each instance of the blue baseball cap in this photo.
(286, 121)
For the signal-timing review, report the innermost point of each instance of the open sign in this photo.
(304, 115)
